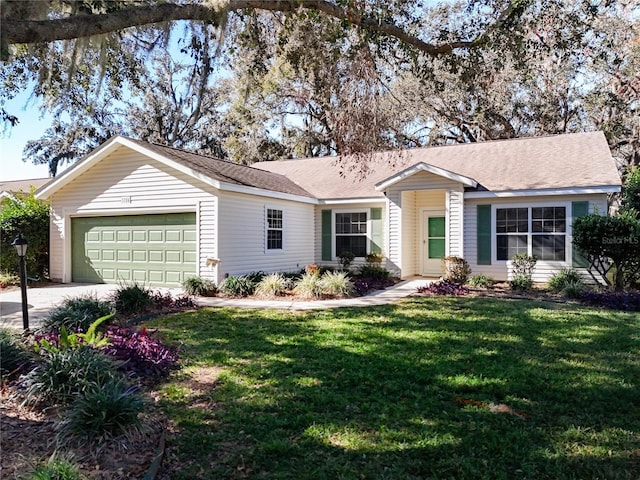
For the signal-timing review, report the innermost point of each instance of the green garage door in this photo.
(157, 250)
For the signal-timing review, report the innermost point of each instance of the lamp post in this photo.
(21, 247)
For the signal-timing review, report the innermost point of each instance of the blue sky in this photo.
(14, 139)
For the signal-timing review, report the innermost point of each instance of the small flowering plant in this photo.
(312, 269)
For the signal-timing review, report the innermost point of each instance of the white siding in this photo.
(242, 234)
(127, 183)
(499, 270)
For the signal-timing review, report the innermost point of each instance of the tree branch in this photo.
(16, 31)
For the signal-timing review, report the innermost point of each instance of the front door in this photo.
(433, 242)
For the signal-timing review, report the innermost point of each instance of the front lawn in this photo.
(456, 388)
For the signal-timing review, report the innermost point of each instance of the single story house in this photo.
(19, 188)
(135, 211)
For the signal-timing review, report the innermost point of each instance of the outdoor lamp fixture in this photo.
(21, 247)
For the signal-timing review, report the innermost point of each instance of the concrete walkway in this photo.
(41, 300)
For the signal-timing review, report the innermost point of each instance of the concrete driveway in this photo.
(43, 299)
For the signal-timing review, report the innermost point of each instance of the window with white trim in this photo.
(351, 233)
(536, 231)
(274, 229)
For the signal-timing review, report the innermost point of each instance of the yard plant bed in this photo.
(432, 387)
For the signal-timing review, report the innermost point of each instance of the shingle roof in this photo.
(552, 162)
(228, 172)
(16, 186)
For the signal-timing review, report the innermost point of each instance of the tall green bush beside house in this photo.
(30, 217)
(610, 243)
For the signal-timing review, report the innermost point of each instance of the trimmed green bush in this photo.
(199, 287)
(573, 289)
(456, 269)
(76, 313)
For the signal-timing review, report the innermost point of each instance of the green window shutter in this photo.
(579, 209)
(326, 235)
(376, 231)
(484, 234)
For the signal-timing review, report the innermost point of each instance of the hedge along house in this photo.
(133, 211)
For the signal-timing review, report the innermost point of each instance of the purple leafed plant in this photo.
(141, 354)
(444, 287)
(628, 300)
(366, 285)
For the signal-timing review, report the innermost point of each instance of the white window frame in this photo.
(567, 233)
(334, 230)
(267, 229)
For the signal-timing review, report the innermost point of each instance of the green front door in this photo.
(434, 243)
(156, 250)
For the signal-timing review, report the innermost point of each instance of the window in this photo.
(274, 229)
(351, 233)
(537, 231)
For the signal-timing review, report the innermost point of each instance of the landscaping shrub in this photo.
(30, 217)
(12, 354)
(480, 281)
(56, 469)
(346, 259)
(336, 284)
(240, 286)
(255, 277)
(573, 289)
(103, 412)
(456, 269)
(166, 301)
(619, 300)
(273, 285)
(76, 313)
(444, 287)
(200, 287)
(309, 286)
(610, 242)
(138, 353)
(374, 272)
(560, 280)
(132, 299)
(374, 259)
(521, 283)
(7, 279)
(522, 266)
(63, 374)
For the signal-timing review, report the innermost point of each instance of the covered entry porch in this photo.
(425, 218)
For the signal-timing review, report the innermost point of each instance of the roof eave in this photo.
(424, 167)
(597, 189)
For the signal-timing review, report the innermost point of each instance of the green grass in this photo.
(402, 392)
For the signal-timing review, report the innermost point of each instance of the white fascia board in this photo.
(346, 201)
(424, 167)
(545, 192)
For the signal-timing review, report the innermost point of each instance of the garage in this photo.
(153, 250)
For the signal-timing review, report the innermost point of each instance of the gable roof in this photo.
(218, 173)
(570, 161)
(577, 162)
